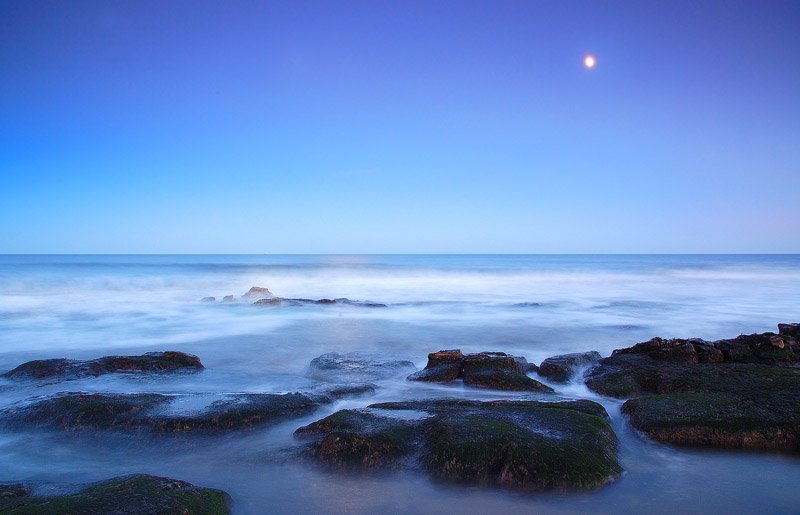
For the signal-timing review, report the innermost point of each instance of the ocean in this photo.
(534, 306)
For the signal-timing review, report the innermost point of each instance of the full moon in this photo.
(589, 61)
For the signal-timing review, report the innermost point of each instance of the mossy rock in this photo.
(130, 494)
(504, 380)
(151, 412)
(523, 445)
(359, 440)
(729, 404)
(715, 419)
(168, 361)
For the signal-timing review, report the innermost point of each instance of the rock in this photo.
(8, 490)
(499, 371)
(562, 368)
(493, 370)
(325, 394)
(505, 380)
(523, 445)
(275, 301)
(228, 298)
(163, 413)
(725, 419)
(361, 303)
(789, 330)
(357, 440)
(257, 293)
(443, 366)
(708, 353)
(268, 302)
(129, 494)
(739, 393)
(169, 361)
(208, 299)
(356, 366)
(675, 350)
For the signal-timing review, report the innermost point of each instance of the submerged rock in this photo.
(730, 393)
(493, 370)
(356, 366)
(562, 368)
(129, 494)
(169, 361)
(524, 445)
(156, 412)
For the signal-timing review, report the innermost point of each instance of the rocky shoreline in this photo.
(738, 393)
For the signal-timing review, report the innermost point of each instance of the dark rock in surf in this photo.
(281, 301)
(443, 366)
(524, 445)
(356, 366)
(208, 299)
(155, 412)
(492, 370)
(734, 393)
(562, 368)
(268, 302)
(168, 361)
(128, 494)
(228, 298)
(499, 371)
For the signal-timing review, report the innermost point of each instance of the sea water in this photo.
(535, 306)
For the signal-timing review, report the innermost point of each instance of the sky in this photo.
(399, 127)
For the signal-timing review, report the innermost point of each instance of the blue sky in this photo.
(394, 127)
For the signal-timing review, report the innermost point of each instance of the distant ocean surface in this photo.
(531, 305)
(535, 303)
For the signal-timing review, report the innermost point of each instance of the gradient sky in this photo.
(399, 127)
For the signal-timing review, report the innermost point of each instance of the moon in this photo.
(589, 61)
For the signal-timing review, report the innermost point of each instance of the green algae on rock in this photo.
(523, 445)
(742, 397)
(151, 411)
(123, 495)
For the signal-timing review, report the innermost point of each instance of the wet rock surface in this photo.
(562, 368)
(129, 494)
(356, 366)
(492, 370)
(732, 393)
(154, 412)
(169, 361)
(524, 445)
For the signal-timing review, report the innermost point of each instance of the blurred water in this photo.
(535, 306)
